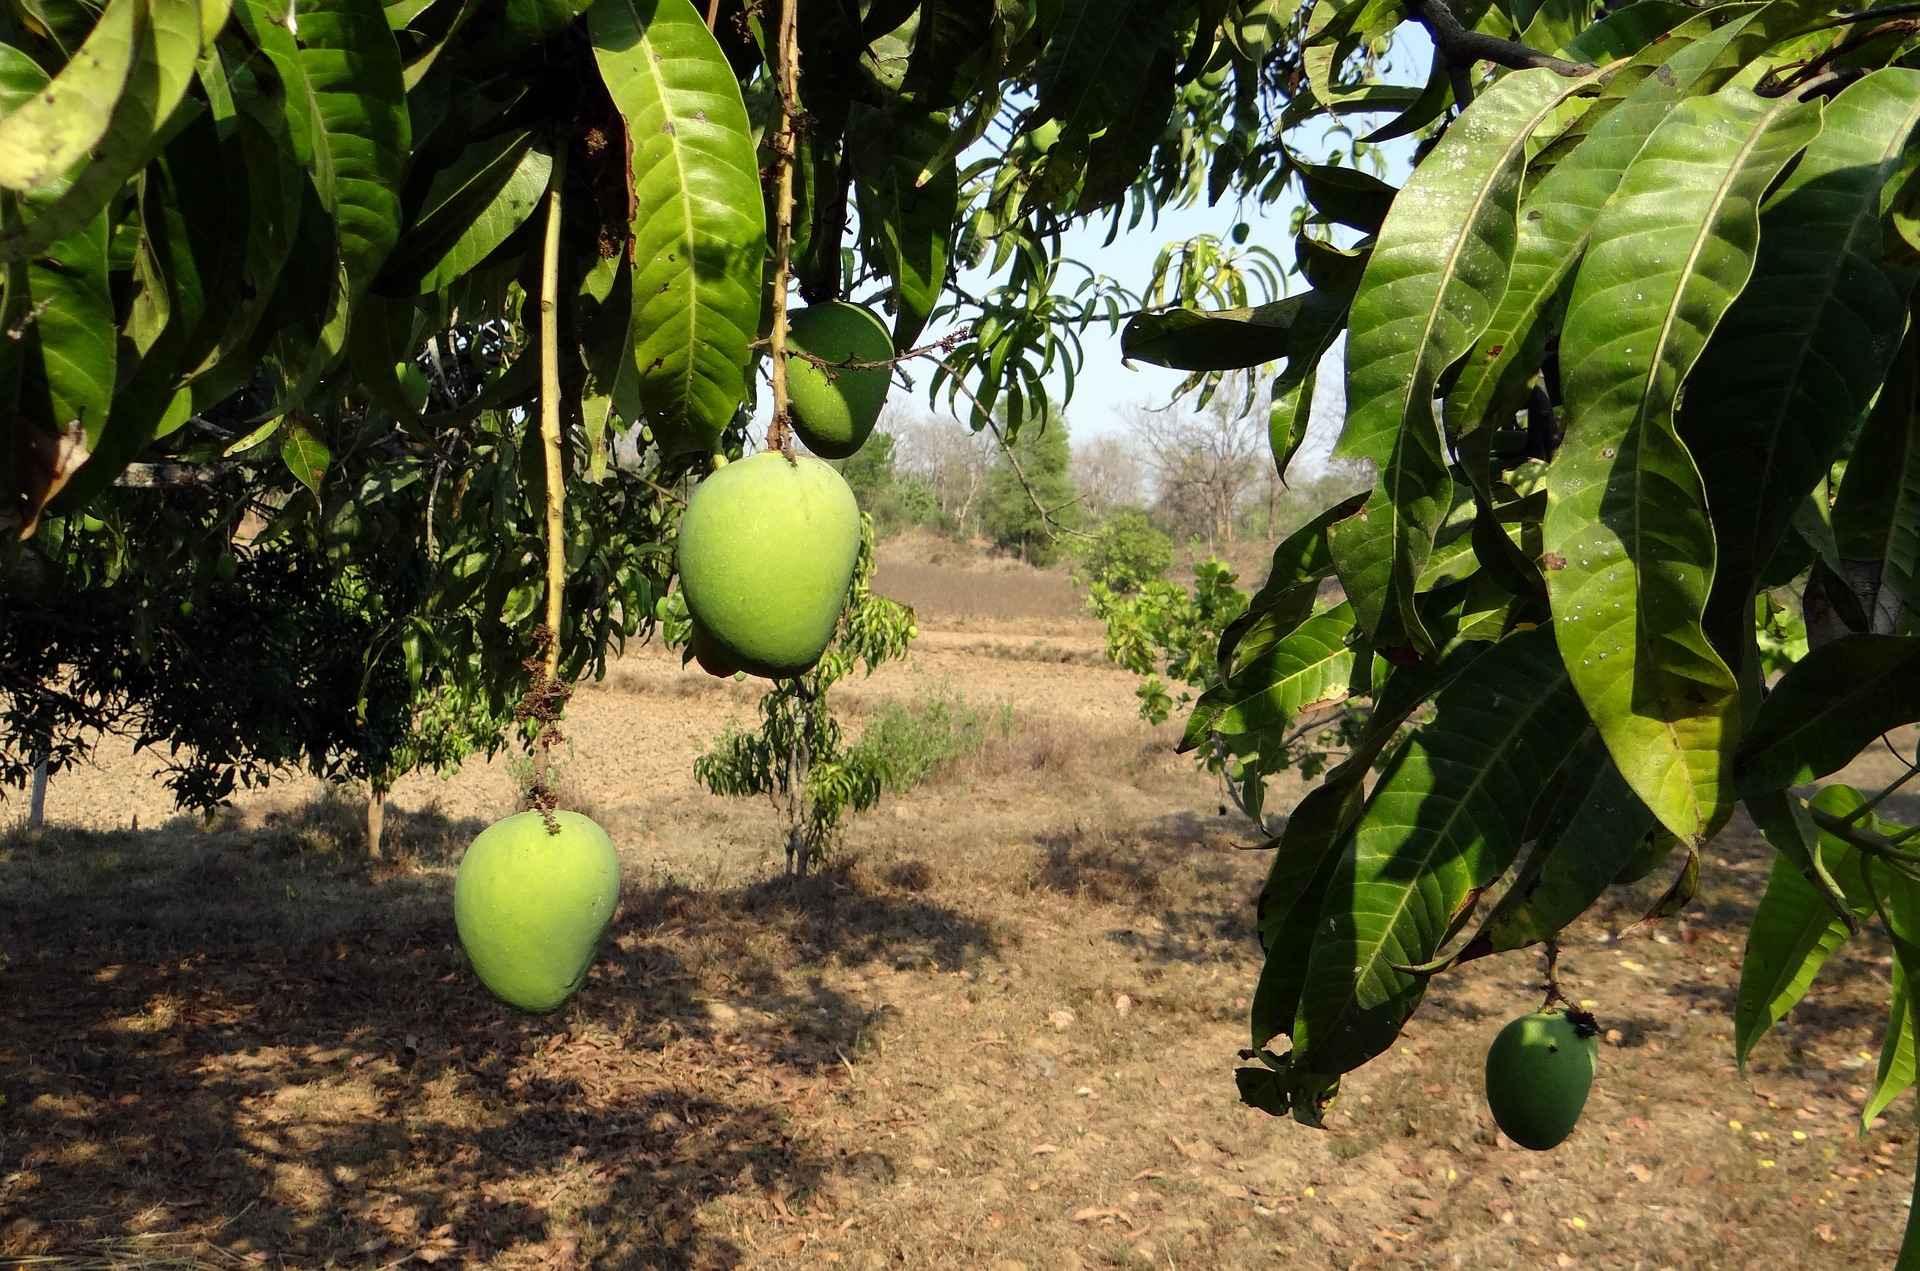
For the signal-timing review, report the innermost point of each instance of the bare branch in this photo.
(1459, 46)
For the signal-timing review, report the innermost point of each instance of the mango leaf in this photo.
(1797, 359)
(1793, 933)
(1213, 339)
(305, 455)
(1300, 561)
(1629, 550)
(1828, 707)
(1429, 289)
(1346, 196)
(346, 112)
(1289, 902)
(167, 41)
(68, 318)
(1896, 897)
(1894, 1074)
(1307, 668)
(1557, 216)
(1288, 418)
(950, 47)
(44, 135)
(1876, 512)
(1595, 826)
(1101, 55)
(1445, 820)
(699, 229)
(253, 142)
(471, 207)
(910, 223)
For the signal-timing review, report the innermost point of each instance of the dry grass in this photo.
(997, 1031)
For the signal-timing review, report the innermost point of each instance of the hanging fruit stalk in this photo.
(787, 90)
(545, 696)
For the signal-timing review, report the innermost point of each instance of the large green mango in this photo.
(1539, 1070)
(766, 555)
(531, 906)
(834, 408)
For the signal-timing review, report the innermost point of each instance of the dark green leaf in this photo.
(1429, 289)
(305, 455)
(1444, 821)
(1828, 707)
(1797, 359)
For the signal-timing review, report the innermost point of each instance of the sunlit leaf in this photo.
(699, 232)
(1629, 551)
(1430, 287)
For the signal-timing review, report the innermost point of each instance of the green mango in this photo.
(766, 554)
(834, 408)
(532, 906)
(1539, 1071)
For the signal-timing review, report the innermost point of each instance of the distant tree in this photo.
(1203, 466)
(1030, 493)
(952, 461)
(1109, 474)
(870, 471)
(1125, 553)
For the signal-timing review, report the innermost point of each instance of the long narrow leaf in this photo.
(1429, 289)
(1828, 707)
(1629, 551)
(1801, 352)
(1446, 818)
(699, 225)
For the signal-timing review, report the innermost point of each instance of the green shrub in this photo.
(906, 744)
(1125, 554)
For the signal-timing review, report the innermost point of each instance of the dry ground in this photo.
(997, 1032)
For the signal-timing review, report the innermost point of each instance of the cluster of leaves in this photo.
(1163, 631)
(313, 246)
(1647, 286)
(799, 758)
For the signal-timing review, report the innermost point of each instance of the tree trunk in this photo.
(37, 800)
(376, 821)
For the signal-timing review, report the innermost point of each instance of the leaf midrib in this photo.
(1368, 967)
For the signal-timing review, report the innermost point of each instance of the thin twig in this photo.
(1814, 73)
(1459, 46)
(786, 93)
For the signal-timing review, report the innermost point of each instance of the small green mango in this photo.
(1539, 1070)
(834, 408)
(766, 554)
(531, 906)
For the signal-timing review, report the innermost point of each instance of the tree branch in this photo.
(1460, 46)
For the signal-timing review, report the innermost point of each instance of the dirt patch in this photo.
(999, 1030)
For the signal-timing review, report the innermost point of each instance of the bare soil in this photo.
(997, 1031)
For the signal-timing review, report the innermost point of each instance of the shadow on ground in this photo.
(252, 1041)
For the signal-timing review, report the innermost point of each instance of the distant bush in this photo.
(1124, 554)
(907, 744)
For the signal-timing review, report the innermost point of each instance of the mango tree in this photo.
(1629, 352)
